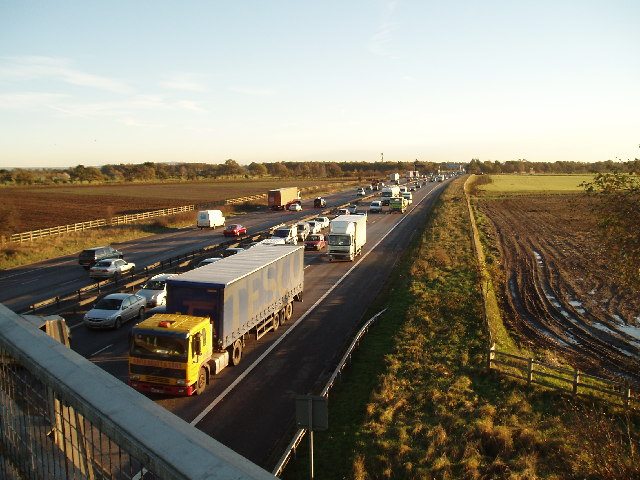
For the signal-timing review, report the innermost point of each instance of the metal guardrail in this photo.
(62, 417)
(299, 435)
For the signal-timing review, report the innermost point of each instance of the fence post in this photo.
(492, 355)
(530, 372)
(576, 381)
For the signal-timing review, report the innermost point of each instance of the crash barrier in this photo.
(561, 378)
(133, 280)
(78, 227)
(346, 358)
(62, 417)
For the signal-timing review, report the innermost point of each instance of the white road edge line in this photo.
(228, 390)
(100, 351)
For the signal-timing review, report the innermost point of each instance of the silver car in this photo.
(113, 310)
(111, 267)
(155, 289)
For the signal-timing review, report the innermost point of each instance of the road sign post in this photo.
(312, 413)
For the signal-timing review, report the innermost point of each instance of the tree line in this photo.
(151, 171)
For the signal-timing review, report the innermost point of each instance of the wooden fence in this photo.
(560, 378)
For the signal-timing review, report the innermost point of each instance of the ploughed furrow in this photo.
(558, 287)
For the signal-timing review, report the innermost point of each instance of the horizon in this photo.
(338, 82)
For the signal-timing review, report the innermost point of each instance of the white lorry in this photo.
(210, 219)
(389, 192)
(347, 236)
(394, 177)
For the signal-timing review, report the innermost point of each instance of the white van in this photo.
(210, 219)
(303, 231)
(408, 196)
(288, 233)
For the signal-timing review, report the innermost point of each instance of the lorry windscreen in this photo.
(169, 348)
(387, 194)
(337, 240)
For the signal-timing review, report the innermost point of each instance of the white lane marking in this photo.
(250, 368)
(100, 351)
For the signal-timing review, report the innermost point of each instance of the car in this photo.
(90, 256)
(155, 289)
(314, 227)
(322, 221)
(294, 207)
(316, 241)
(235, 230)
(376, 206)
(343, 211)
(361, 192)
(232, 251)
(412, 188)
(115, 309)
(352, 208)
(207, 261)
(319, 202)
(111, 268)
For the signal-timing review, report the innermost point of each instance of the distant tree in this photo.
(231, 168)
(257, 169)
(24, 177)
(334, 170)
(618, 214)
(280, 170)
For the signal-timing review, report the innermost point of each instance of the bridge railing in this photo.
(62, 417)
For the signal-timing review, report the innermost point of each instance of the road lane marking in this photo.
(251, 367)
(100, 351)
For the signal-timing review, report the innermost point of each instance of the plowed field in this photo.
(558, 288)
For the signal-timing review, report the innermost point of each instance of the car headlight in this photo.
(181, 381)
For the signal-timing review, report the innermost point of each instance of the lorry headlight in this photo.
(135, 377)
(181, 381)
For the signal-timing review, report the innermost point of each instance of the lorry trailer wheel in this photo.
(202, 381)
(276, 321)
(288, 311)
(236, 353)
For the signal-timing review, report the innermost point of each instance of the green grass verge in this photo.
(417, 401)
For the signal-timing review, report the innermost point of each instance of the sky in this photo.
(107, 82)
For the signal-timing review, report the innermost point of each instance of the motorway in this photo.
(250, 407)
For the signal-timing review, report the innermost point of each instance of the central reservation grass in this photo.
(417, 401)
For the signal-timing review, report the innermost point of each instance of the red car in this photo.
(315, 241)
(235, 230)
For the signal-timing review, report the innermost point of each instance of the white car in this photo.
(314, 227)
(322, 221)
(295, 207)
(115, 309)
(111, 267)
(208, 261)
(155, 290)
(361, 192)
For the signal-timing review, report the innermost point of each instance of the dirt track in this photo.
(558, 290)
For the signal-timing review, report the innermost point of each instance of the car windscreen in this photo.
(108, 304)
(154, 285)
(313, 238)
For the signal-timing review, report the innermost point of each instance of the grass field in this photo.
(519, 184)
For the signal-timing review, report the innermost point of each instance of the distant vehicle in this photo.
(398, 204)
(208, 261)
(210, 219)
(115, 309)
(394, 177)
(110, 268)
(322, 221)
(90, 256)
(271, 241)
(376, 206)
(232, 251)
(314, 227)
(294, 207)
(288, 232)
(280, 198)
(235, 230)
(343, 211)
(352, 209)
(154, 290)
(409, 197)
(316, 241)
(319, 202)
(412, 188)
(303, 231)
(361, 192)
(389, 192)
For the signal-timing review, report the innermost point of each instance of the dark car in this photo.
(89, 257)
(319, 202)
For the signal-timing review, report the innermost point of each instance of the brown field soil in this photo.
(33, 208)
(558, 290)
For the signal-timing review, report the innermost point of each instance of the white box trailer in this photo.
(242, 292)
(347, 236)
(210, 219)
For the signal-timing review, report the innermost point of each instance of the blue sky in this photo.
(96, 82)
